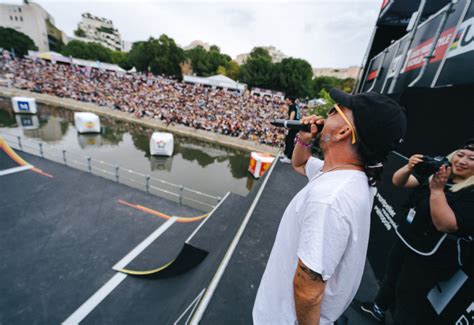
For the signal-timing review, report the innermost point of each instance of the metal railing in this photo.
(177, 193)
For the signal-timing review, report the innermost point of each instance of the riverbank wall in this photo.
(159, 125)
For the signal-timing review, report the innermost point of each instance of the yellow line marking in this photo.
(161, 214)
(20, 161)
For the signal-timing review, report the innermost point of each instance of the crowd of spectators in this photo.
(216, 110)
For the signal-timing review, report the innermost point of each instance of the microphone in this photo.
(294, 125)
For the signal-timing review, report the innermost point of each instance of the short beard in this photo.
(323, 140)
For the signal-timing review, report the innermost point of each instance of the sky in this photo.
(326, 33)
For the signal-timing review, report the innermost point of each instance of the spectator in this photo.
(215, 110)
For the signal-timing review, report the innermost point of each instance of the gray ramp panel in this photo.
(163, 301)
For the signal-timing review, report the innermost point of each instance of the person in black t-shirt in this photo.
(293, 114)
(441, 212)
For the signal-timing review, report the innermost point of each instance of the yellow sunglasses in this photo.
(344, 117)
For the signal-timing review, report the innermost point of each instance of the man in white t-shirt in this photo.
(318, 257)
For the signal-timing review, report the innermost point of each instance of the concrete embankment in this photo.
(149, 122)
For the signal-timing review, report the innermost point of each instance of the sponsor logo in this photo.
(464, 40)
(26, 121)
(416, 55)
(385, 212)
(89, 125)
(372, 75)
(23, 106)
(161, 144)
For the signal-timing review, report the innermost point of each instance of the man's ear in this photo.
(343, 133)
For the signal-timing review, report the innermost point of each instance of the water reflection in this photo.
(208, 167)
(89, 140)
(161, 163)
(27, 122)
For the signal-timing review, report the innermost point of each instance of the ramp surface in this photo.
(165, 301)
(60, 237)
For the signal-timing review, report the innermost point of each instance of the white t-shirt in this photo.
(327, 226)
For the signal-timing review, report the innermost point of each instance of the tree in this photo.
(221, 70)
(87, 51)
(216, 59)
(348, 85)
(232, 70)
(322, 110)
(323, 82)
(206, 63)
(12, 39)
(56, 45)
(293, 76)
(121, 59)
(80, 32)
(257, 71)
(160, 55)
(199, 60)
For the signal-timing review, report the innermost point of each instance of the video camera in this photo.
(431, 165)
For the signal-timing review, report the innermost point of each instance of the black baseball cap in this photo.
(379, 120)
(469, 144)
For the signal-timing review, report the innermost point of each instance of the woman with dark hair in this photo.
(438, 219)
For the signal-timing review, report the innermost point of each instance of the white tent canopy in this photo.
(216, 81)
(57, 57)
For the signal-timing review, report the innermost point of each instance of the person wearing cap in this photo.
(442, 204)
(317, 260)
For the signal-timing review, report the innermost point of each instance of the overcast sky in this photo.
(326, 33)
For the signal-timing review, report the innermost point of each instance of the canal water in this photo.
(206, 167)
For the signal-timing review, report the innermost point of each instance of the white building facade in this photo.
(341, 73)
(32, 20)
(275, 54)
(100, 30)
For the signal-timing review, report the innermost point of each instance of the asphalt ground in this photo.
(60, 237)
(6, 162)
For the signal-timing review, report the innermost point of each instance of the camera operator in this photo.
(440, 214)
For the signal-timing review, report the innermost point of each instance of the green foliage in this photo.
(221, 70)
(79, 32)
(87, 51)
(206, 63)
(121, 59)
(108, 30)
(322, 110)
(326, 83)
(232, 70)
(56, 45)
(293, 76)
(258, 70)
(160, 55)
(10, 38)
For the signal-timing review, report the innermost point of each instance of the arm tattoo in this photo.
(315, 276)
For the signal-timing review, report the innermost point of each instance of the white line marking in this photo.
(225, 261)
(207, 218)
(107, 288)
(194, 303)
(14, 170)
(144, 244)
(95, 299)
